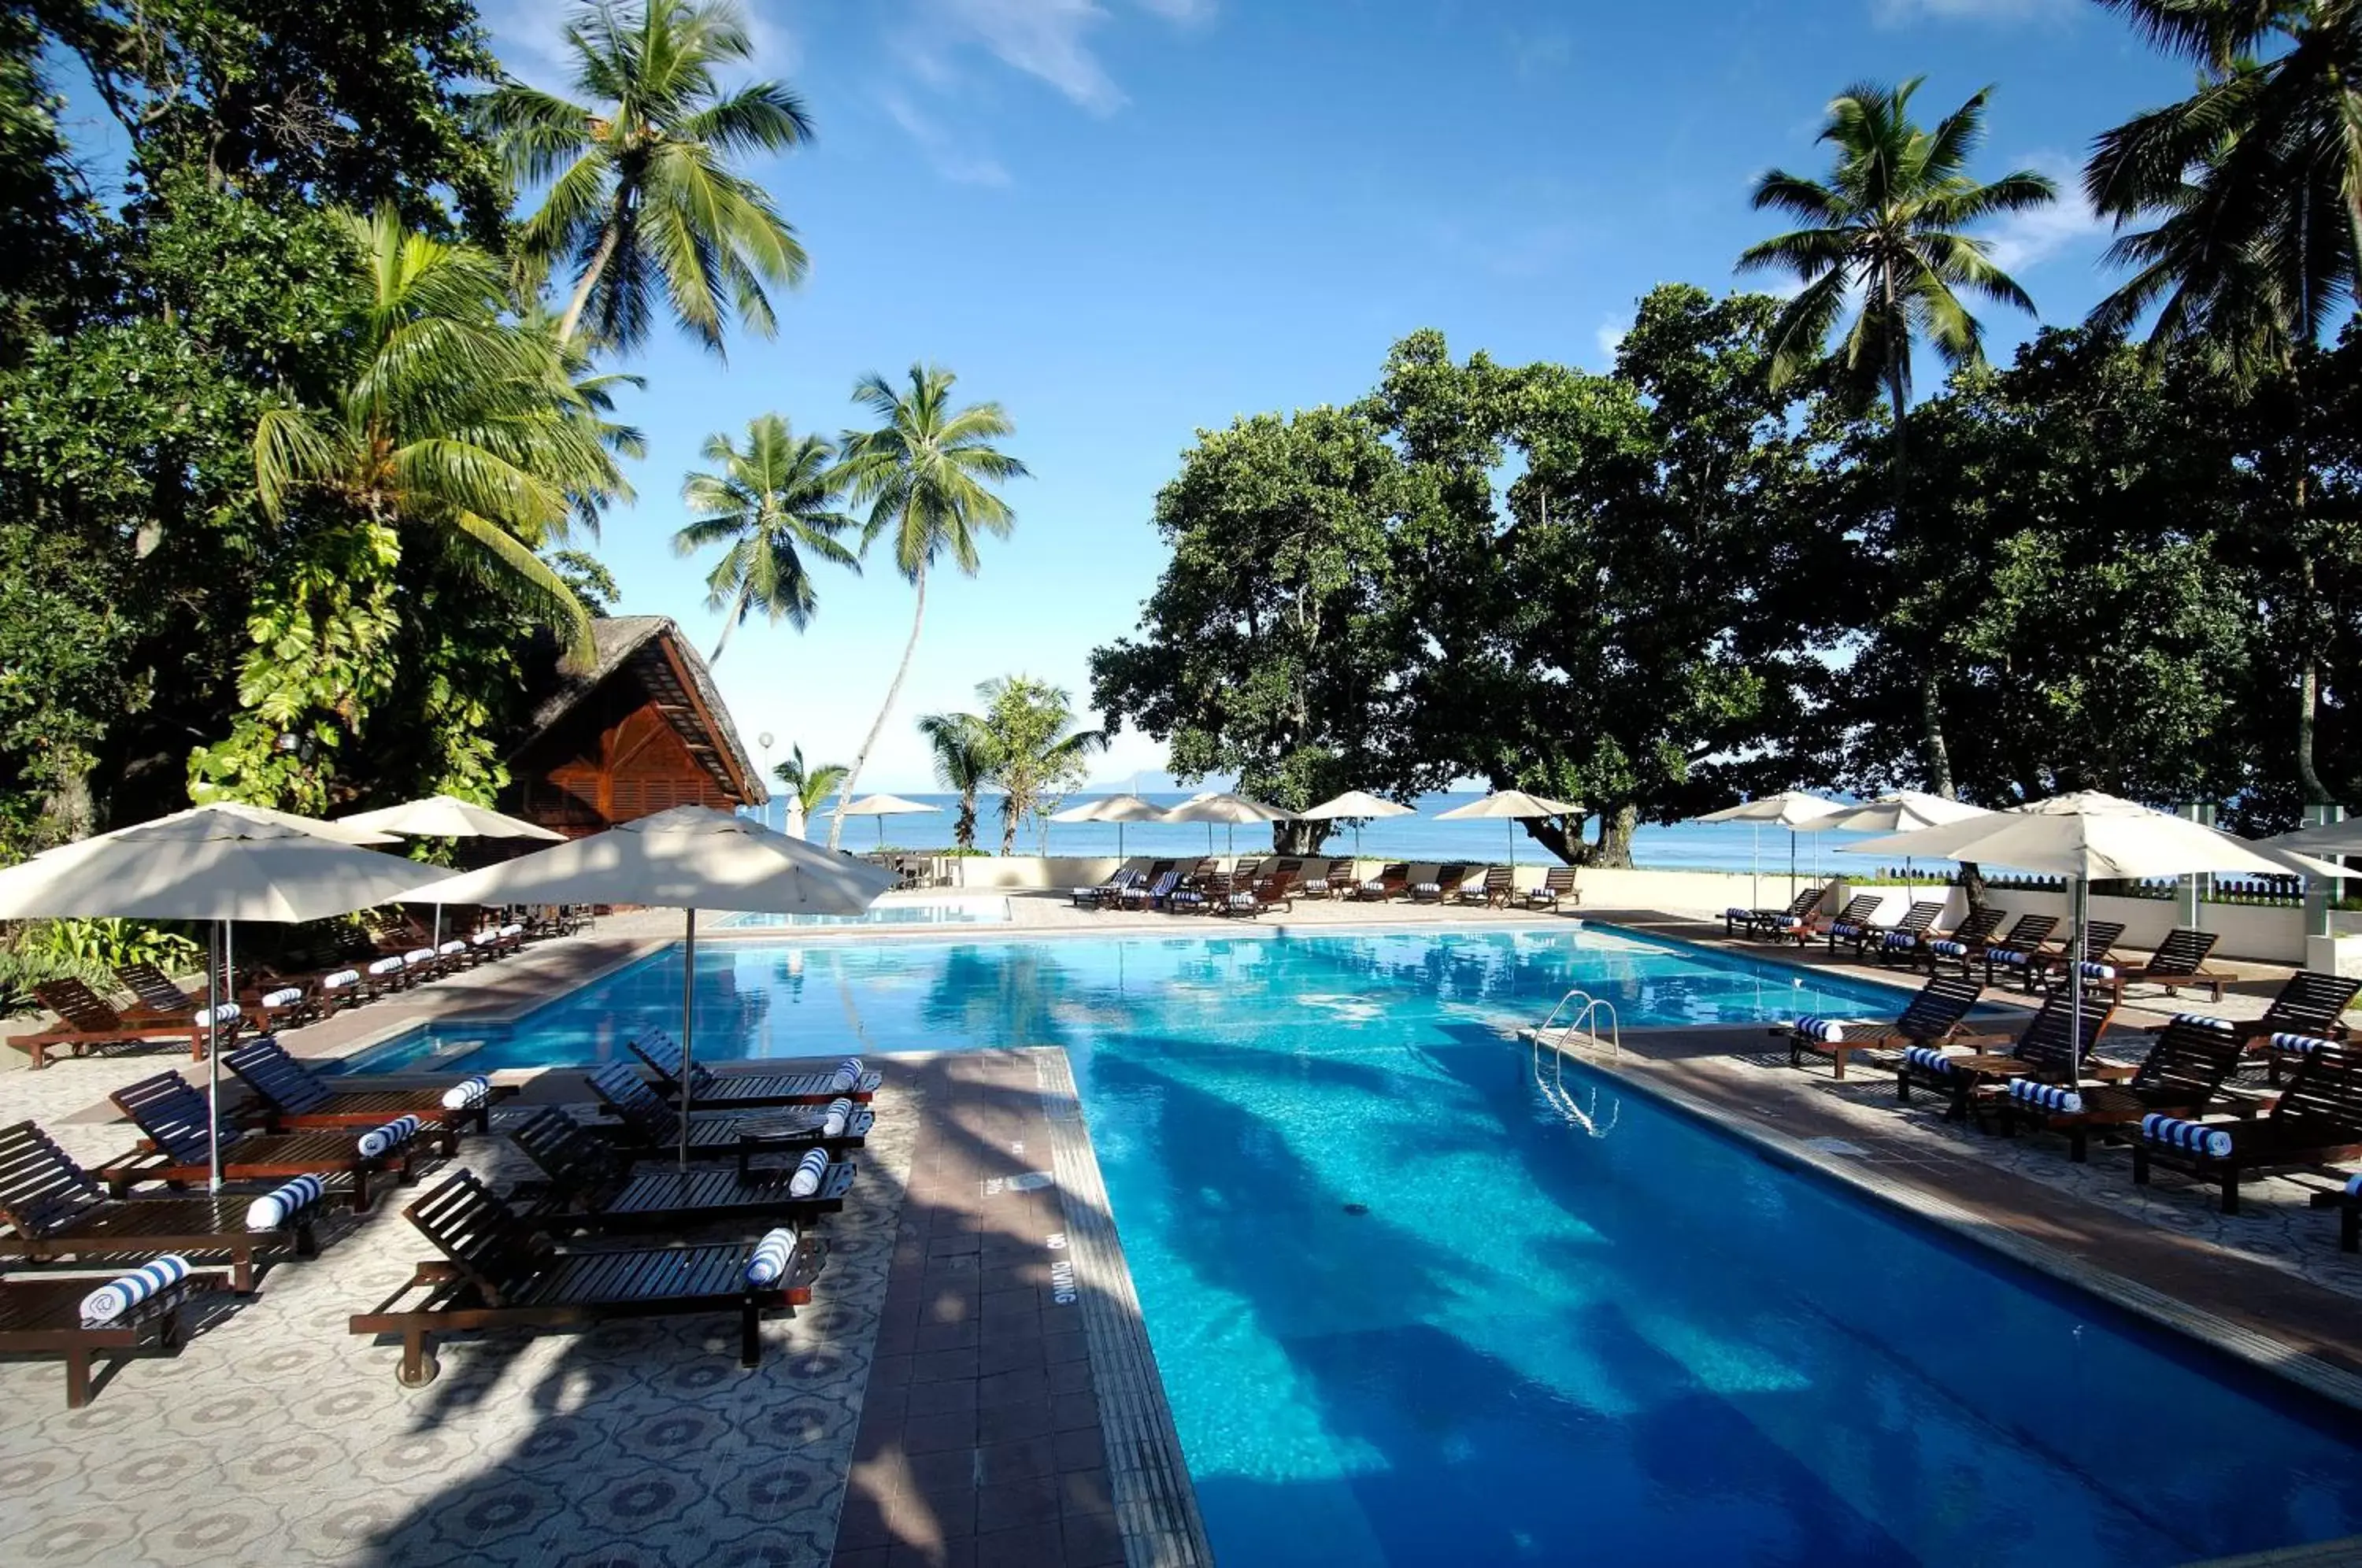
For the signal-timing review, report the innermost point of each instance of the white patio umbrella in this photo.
(1904, 811)
(220, 864)
(2080, 836)
(1361, 806)
(1515, 805)
(884, 806)
(447, 816)
(691, 857)
(1795, 810)
(1222, 807)
(1116, 809)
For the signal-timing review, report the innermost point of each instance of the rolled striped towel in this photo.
(206, 1016)
(2196, 1137)
(386, 966)
(113, 1299)
(848, 1076)
(451, 947)
(286, 996)
(1374, 885)
(2303, 1045)
(1243, 901)
(340, 979)
(811, 1171)
(386, 1139)
(514, 928)
(485, 938)
(419, 956)
(1928, 1059)
(1735, 912)
(1899, 939)
(1949, 948)
(468, 1091)
(772, 1257)
(2051, 1097)
(2205, 1021)
(1315, 885)
(2005, 955)
(2098, 971)
(1427, 886)
(1844, 928)
(1828, 1030)
(281, 1204)
(2354, 1186)
(836, 1118)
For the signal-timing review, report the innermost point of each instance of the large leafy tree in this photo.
(643, 195)
(1887, 230)
(770, 504)
(926, 473)
(961, 750)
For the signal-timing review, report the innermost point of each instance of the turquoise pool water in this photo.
(1409, 1311)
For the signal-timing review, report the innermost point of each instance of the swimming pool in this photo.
(1406, 1313)
(955, 909)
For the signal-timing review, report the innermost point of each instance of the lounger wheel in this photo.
(427, 1370)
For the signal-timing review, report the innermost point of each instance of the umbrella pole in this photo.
(2075, 995)
(213, 1057)
(1755, 867)
(687, 1028)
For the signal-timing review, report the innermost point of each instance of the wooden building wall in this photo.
(614, 757)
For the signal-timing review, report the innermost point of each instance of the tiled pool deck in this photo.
(971, 1383)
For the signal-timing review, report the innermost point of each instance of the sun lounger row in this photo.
(1254, 886)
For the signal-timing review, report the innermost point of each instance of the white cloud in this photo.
(1609, 336)
(2029, 238)
(1047, 39)
(1893, 13)
(530, 37)
(963, 165)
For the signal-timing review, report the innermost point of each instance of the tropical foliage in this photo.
(960, 748)
(1026, 744)
(811, 783)
(769, 505)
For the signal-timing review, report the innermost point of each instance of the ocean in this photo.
(1684, 847)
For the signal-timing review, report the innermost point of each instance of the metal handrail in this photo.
(1587, 1017)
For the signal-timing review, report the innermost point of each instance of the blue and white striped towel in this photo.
(386, 966)
(2303, 1045)
(1844, 928)
(2046, 1097)
(451, 947)
(2098, 971)
(468, 1091)
(1928, 1059)
(1899, 939)
(340, 979)
(113, 1299)
(281, 1204)
(1949, 948)
(1427, 886)
(772, 1257)
(2196, 1137)
(2005, 955)
(1735, 912)
(811, 1171)
(836, 1118)
(2354, 1186)
(286, 996)
(419, 956)
(207, 1016)
(1828, 1030)
(514, 928)
(384, 1140)
(2205, 1022)
(485, 938)
(848, 1076)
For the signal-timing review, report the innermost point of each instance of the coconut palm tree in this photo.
(642, 196)
(772, 505)
(451, 420)
(1033, 747)
(962, 757)
(811, 783)
(1885, 229)
(925, 474)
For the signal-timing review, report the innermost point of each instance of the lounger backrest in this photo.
(1166, 884)
(1448, 876)
(661, 1052)
(41, 1188)
(1980, 924)
(1809, 900)
(2030, 932)
(80, 1007)
(1559, 879)
(1289, 869)
(2321, 1106)
(482, 1236)
(1339, 871)
(2183, 951)
(1938, 1008)
(1399, 871)
(170, 1114)
(576, 1160)
(153, 987)
(1919, 917)
(1497, 878)
(2099, 937)
(2312, 1003)
(1161, 869)
(622, 1090)
(2044, 1045)
(1859, 909)
(276, 1078)
(2189, 1062)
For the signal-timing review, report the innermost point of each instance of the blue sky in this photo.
(1129, 220)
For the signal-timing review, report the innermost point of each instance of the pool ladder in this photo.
(1584, 1024)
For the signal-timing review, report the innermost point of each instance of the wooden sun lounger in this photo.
(289, 1094)
(2180, 960)
(2347, 1201)
(1391, 879)
(1557, 884)
(497, 1272)
(741, 1091)
(1334, 882)
(593, 1185)
(2100, 938)
(1497, 889)
(1448, 879)
(1737, 923)
(2317, 1121)
(1900, 943)
(646, 1124)
(171, 1116)
(158, 996)
(1933, 1016)
(1961, 942)
(2310, 1004)
(1849, 924)
(59, 1215)
(43, 1317)
(2040, 1052)
(2181, 1076)
(86, 1018)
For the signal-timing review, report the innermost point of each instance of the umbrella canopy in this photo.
(1905, 811)
(689, 857)
(1221, 807)
(447, 816)
(1791, 808)
(220, 817)
(1513, 805)
(2327, 838)
(220, 862)
(884, 806)
(1361, 806)
(1116, 809)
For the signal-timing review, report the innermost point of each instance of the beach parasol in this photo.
(1220, 806)
(1515, 805)
(884, 806)
(1116, 809)
(1361, 806)
(1791, 809)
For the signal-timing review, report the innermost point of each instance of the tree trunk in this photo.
(1931, 735)
(1564, 839)
(1009, 813)
(1614, 848)
(877, 725)
(1972, 884)
(737, 614)
(1300, 838)
(2307, 777)
(599, 259)
(964, 828)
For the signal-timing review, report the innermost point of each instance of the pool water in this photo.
(1409, 1310)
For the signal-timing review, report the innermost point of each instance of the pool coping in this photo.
(2256, 1350)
